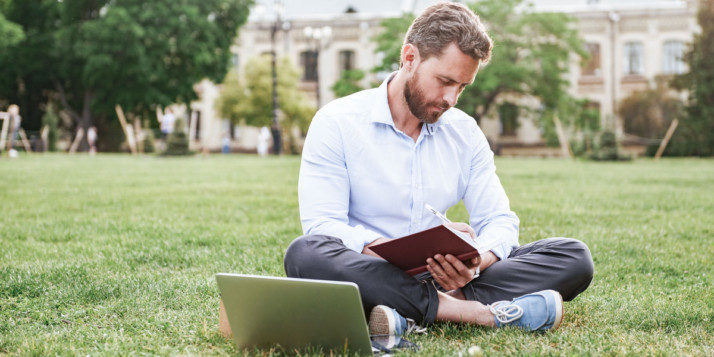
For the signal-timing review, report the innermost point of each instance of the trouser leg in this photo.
(561, 264)
(379, 282)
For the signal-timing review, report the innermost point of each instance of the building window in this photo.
(234, 60)
(508, 115)
(633, 62)
(308, 62)
(591, 67)
(347, 60)
(673, 57)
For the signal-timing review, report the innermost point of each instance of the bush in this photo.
(177, 142)
(149, 139)
(608, 149)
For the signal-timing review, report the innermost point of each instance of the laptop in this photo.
(294, 314)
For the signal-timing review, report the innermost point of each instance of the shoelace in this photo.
(505, 312)
(412, 327)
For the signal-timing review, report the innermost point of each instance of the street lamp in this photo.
(321, 38)
(275, 26)
(614, 19)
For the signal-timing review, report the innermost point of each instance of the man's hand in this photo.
(462, 227)
(450, 272)
(368, 251)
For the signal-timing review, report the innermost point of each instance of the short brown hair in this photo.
(444, 23)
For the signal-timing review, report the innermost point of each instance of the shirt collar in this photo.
(382, 114)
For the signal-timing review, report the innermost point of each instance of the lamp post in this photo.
(320, 36)
(275, 128)
(614, 19)
(275, 25)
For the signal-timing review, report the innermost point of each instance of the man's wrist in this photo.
(487, 260)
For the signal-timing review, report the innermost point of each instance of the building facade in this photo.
(631, 42)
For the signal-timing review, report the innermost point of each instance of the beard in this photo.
(418, 105)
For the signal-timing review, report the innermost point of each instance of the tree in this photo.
(389, 41)
(249, 99)
(531, 57)
(695, 134)
(10, 33)
(648, 113)
(27, 65)
(348, 83)
(94, 54)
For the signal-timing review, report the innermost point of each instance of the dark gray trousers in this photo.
(561, 264)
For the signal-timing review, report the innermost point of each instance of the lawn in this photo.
(116, 255)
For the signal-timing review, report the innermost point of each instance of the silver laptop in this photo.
(266, 312)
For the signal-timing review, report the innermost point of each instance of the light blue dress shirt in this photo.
(361, 178)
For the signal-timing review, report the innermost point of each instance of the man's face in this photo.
(436, 83)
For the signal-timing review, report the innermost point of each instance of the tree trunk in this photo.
(84, 120)
(487, 104)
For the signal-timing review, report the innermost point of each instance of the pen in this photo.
(437, 213)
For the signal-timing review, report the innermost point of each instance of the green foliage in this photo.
(99, 53)
(250, 98)
(348, 83)
(27, 69)
(10, 33)
(695, 134)
(608, 149)
(531, 57)
(649, 113)
(136, 276)
(389, 41)
(149, 141)
(233, 99)
(177, 142)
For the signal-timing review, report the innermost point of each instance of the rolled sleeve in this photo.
(489, 210)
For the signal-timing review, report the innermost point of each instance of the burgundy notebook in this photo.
(409, 253)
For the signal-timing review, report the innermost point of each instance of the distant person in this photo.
(92, 140)
(15, 123)
(226, 144)
(263, 141)
(168, 120)
(371, 162)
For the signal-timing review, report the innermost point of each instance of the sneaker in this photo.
(385, 321)
(539, 311)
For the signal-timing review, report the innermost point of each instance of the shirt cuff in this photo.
(360, 237)
(502, 251)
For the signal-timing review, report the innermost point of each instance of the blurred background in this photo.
(602, 79)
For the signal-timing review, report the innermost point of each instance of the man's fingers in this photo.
(448, 271)
(446, 265)
(437, 274)
(462, 227)
(461, 268)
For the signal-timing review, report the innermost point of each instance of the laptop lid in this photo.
(293, 313)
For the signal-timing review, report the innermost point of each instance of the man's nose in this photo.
(451, 95)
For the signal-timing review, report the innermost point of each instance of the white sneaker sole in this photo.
(558, 310)
(381, 321)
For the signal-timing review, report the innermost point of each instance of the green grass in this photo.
(116, 255)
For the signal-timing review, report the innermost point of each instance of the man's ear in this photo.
(410, 56)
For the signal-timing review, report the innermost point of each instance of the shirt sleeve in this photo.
(324, 186)
(489, 210)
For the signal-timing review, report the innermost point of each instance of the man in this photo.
(372, 161)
